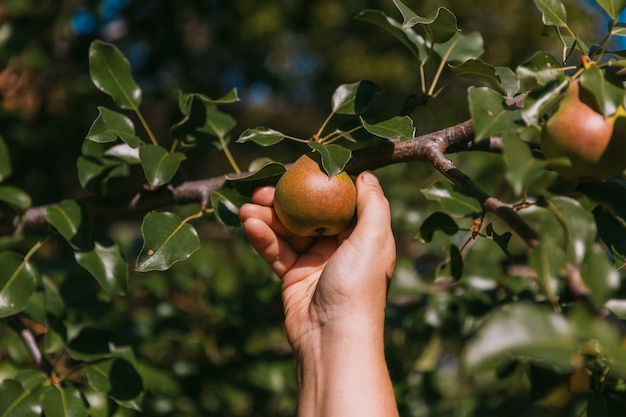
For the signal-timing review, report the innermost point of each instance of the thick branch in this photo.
(428, 148)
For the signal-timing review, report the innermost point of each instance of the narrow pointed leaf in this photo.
(166, 241)
(106, 265)
(392, 128)
(262, 135)
(110, 72)
(158, 164)
(354, 98)
(110, 125)
(72, 221)
(17, 283)
(333, 157)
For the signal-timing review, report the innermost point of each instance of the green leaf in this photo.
(452, 199)
(18, 280)
(72, 221)
(438, 221)
(613, 7)
(547, 259)
(110, 72)
(333, 157)
(414, 42)
(541, 100)
(95, 168)
(226, 202)
(521, 165)
(440, 25)
(110, 125)
(167, 240)
(17, 402)
(262, 135)
(204, 123)
(123, 152)
(539, 70)
(158, 164)
(481, 71)
(91, 344)
(17, 199)
(612, 231)
(5, 160)
(392, 128)
(106, 264)
(461, 48)
(354, 98)
(502, 240)
(599, 275)
(118, 379)
(63, 402)
(608, 91)
(553, 12)
(578, 224)
(490, 114)
(456, 262)
(521, 330)
(185, 100)
(268, 174)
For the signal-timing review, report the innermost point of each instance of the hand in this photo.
(334, 295)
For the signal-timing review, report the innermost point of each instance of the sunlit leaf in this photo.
(158, 164)
(5, 160)
(16, 198)
(354, 98)
(553, 12)
(392, 128)
(438, 221)
(63, 402)
(167, 240)
(17, 283)
(613, 7)
(263, 136)
(73, 222)
(110, 125)
(521, 330)
(110, 72)
(333, 157)
(490, 114)
(541, 101)
(606, 89)
(106, 264)
(452, 199)
(539, 70)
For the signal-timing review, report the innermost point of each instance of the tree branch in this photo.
(28, 338)
(426, 148)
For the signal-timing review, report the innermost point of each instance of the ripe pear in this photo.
(594, 145)
(309, 203)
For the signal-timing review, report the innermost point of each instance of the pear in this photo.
(310, 203)
(581, 144)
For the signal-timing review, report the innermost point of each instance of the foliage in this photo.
(141, 296)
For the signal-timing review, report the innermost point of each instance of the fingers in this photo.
(275, 251)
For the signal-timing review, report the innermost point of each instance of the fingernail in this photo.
(369, 178)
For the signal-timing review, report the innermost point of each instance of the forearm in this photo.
(346, 376)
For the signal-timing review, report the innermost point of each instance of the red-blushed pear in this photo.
(581, 144)
(309, 203)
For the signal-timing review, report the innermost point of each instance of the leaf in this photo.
(5, 160)
(158, 164)
(540, 101)
(481, 71)
(521, 165)
(226, 202)
(18, 280)
(203, 124)
(333, 157)
(185, 99)
(91, 344)
(490, 114)
(439, 26)
(110, 72)
(452, 199)
(72, 221)
(95, 168)
(166, 241)
(392, 128)
(608, 91)
(578, 224)
(612, 231)
(456, 262)
(461, 48)
(63, 402)
(262, 135)
(613, 7)
(110, 125)
(539, 70)
(354, 98)
(106, 265)
(553, 12)
(438, 221)
(547, 259)
(17, 199)
(118, 379)
(414, 42)
(268, 174)
(521, 330)
(16, 401)
(502, 240)
(599, 275)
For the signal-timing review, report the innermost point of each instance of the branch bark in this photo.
(430, 148)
